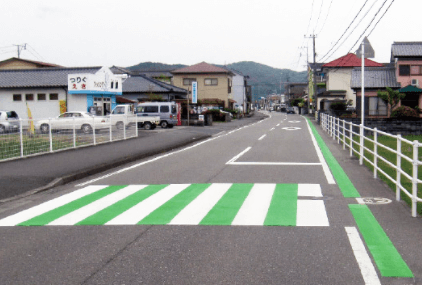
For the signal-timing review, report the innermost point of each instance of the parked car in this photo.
(9, 122)
(290, 110)
(83, 121)
(167, 111)
(125, 116)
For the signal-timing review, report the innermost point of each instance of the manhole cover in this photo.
(373, 200)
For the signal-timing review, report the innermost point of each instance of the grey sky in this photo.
(124, 33)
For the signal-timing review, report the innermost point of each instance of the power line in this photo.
(320, 9)
(345, 31)
(381, 18)
(328, 12)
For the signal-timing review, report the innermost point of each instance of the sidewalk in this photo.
(29, 175)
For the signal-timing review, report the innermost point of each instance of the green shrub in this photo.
(404, 112)
(338, 106)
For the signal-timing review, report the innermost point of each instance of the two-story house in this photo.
(407, 58)
(214, 83)
(338, 78)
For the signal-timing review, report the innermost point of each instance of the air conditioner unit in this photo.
(415, 82)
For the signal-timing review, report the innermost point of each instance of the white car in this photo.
(9, 122)
(83, 121)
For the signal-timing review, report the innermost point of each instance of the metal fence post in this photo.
(361, 144)
(398, 166)
(50, 134)
(93, 131)
(136, 125)
(21, 136)
(351, 138)
(415, 178)
(375, 152)
(74, 133)
(344, 134)
(111, 125)
(338, 130)
(124, 127)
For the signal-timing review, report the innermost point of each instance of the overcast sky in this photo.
(271, 32)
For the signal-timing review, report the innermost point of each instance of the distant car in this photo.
(9, 122)
(83, 121)
(290, 110)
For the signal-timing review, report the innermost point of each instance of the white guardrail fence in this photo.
(23, 138)
(344, 132)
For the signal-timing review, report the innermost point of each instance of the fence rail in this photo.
(33, 137)
(345, 132)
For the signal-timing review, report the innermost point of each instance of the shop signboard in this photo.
(102, 82)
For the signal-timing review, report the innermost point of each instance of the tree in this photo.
(392, 97)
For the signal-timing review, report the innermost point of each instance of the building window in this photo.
(188, 81)
(29, 97)
(17, 97)
(211, 81)
(54, 96)
(377, 106)
(117, 84)
(404, 69)
(415, 70)
(41, 97)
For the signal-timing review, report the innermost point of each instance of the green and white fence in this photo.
(346, 133)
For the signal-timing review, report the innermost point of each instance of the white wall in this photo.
(39, 109)
(339, 79)
(238, 89)
(77, 102)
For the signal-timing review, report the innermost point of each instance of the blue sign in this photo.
(194, 92)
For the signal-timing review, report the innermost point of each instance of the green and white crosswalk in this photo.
(263, 204)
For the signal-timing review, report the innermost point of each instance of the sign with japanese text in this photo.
(194, 92)
(104, 81)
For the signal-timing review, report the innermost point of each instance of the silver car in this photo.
(9, 122)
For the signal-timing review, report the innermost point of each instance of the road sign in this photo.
(194, 92)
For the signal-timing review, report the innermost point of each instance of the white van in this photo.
(166, 110)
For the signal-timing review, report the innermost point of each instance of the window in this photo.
(54, 96)
(164, 109)
(29, 97)
(117, 84)
(188, 81)
(112, 85)
(150, 109)
(415, 70)
(41, 97)
(211, 81)
(17, 97)
(377, 106)
(404, 69)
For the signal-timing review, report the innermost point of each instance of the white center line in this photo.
(364, 261)
(263, 136)
(239, 155)
(272, 129)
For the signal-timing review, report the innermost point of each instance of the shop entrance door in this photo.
(103, 104)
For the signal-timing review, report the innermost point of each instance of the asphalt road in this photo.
(249, 173)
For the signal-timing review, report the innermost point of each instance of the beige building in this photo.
(19, 63)
(214, 83)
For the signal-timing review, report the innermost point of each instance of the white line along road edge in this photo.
(325, 167)
(364, 261)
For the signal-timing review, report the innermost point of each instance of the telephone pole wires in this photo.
(313, 36)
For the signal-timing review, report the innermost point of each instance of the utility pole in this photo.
(20, 47)
(314, 73)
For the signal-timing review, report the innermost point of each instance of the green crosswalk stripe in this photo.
(166, 212)
(283, 207)
(107, 214)
(224, 212)
(56, 213)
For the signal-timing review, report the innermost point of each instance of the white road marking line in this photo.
(94, 207)
(367, 269)
(193, 213)
(360, 201)
(256, 205)
(49, 205)
(272, 129)
(147, 206)
(163, 156)
(239, 155)
(325, 167)
(274, 163)
(309, 190)
(311, 213)
(277, 125)
(263, 136)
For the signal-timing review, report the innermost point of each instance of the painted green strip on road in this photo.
(224, 212)
(283, 207)
(386, 256)
(346, 186)
(109, 213)
(52, 215)
(165, 213)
